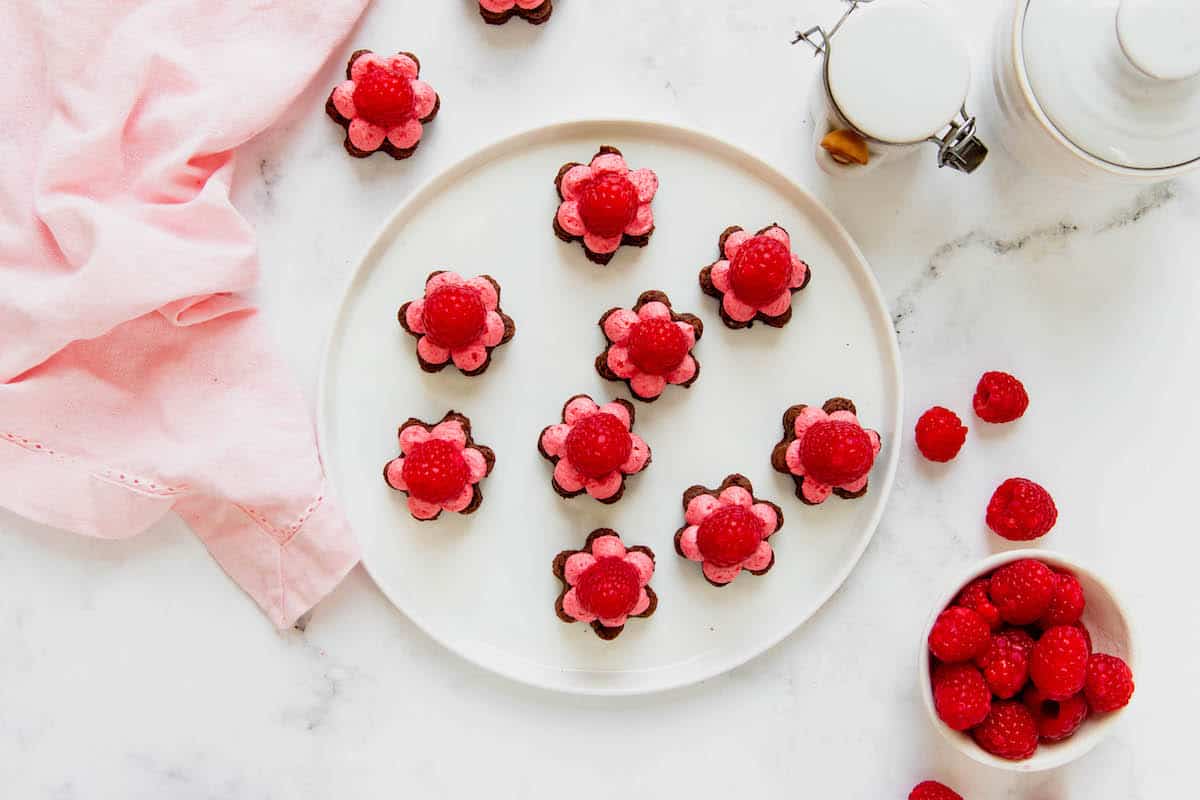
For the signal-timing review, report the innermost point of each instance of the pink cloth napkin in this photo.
(134, 378)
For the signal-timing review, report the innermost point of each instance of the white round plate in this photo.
(481, 584)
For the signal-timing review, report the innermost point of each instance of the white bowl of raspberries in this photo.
(1027, 662)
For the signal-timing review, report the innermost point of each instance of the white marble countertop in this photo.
(136, 669)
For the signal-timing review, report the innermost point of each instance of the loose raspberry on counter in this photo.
(975, 597)
(649, 346)
(1022, 590)
(1005, 662)
(932, 790)
(999, 397)
(1067, 604)
(960, 695)
(605, 583)
(1021, 510)
(940, 434)
(1058, 665)
(1109, 683)
(382, 104)
(1010, 731)
(958, 634)
(1056, 719)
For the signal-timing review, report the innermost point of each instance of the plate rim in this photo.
(566, 127)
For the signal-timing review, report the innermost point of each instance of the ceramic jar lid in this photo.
(1120, 79)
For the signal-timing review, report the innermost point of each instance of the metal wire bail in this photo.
(816, 37)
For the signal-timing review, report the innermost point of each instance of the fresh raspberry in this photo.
(1109, 683)
(657, 345)
(960, 695)
(760, 270)
(1005, 662)
(1087, 635)
(1021, 510)
(999, 397)
(958, 634)
(1010, 731)
(608, 588)
(598, 444)
(1058, 665)
(1066, 606)
(729, 535)
(975, 597)
(1056, 719)
(435, 471)
(1022, 590)
(940, 434)
(607, 204)
(932, 790)
(836, 452)
(454, 316)
(383, 98)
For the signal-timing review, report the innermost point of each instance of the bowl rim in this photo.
(1048, 756)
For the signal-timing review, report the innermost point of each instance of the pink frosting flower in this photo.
(650, 346)
(605, 204)
(439, 466)
(382, 104)
(605, 583)
(498, 12)
(593, 449)
(457, 320)
(755, 277)
(836, 461)
(727, 530)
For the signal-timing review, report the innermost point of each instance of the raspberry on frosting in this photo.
(649, 346)
(755, 276)
(458, 319)
(605, 204)
(498, 12)
(439, 466)
(382, 104)
(826, 451)
(605, 583)
(593, 449)
(727, 530)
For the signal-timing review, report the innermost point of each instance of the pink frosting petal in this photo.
(614, 622)
(579, 408)
(792, 456)
(778, 233)
(497, 5)
(876, 445)
(527, 4)
(554, 439)
(432, 353)
(766, 513)
(567, 477)
(689, 333)
(446, 278)
(618, 324)
(577, 565)
(646, 385)
(855, 486)
(603, 488)
(412, 436)
(422, 509)
(736, 308)
(493, 330)
(469, 358)
(424, 99)
(700, 507)
(734, 241)
(642, 222)
(639, 454)
(601, 244)
(759, 558)
(364, 62)
(719, 274)
(845, 415)
(778, 306)
(414, 316)
(364, 135)
(645, 182)
(406, 134)
(573, 179)
(720, 574)
(569, 218)
(799, 272)
(402, 64)
(609, 162)
(643, 564)
(487, 292)
(608, 547)
(476, 464)
(619, 411)
(573, 609)
(684, 372)
(643, 602)
(815, 492)
(806, 418)
(619, 362)
(736, 496)
(343, 99)
(687, 543)
(451, 430)
(394, 474)
(462, 501)
(654, 310)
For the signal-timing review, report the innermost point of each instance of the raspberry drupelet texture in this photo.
(1058, 665)
(960, 695)
(1010, 731)
(999, 397)
(932, 790)
(1109, 683)
(940, 434)
(958, 634)
(1021, 510)
(1022, 590)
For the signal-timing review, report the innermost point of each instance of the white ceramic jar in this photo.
(1100, 89)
